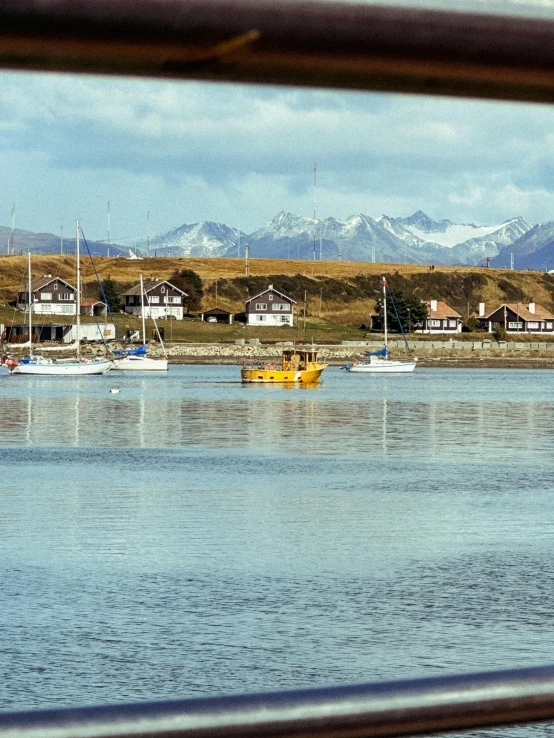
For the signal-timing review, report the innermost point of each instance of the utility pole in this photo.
(512, 261)
(373, 253)
(247, 259)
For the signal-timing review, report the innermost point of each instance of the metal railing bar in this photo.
(422, 706)
(357, 46)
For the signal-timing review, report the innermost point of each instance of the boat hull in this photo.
(383, 367)
(69, 369)
(281, 376)
(139, 364)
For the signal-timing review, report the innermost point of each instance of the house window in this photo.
(260, 317)
(548, 325)
(435, 324)
(153, 299)
(173, 300)
(280, 306)
(284, 319)
(270, 297)
(261, 306)
(45, 296)
(55, 286)
(163, 290)
(67, 309)
(452, 324)
(65, 296)
(533, 324)
(515, 325)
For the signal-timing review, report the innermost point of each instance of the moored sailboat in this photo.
(135, 360)
(42, 365)
(379, 361)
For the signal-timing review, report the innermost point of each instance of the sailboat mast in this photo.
(385, 308)
(78, 296)
(142, 301)
(30, 306)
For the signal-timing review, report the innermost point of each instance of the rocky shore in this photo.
(429, 355)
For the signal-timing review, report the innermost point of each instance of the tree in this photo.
(410, 309)
(191, 283)
(110, 293)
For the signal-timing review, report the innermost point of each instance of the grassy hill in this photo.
(339, 294)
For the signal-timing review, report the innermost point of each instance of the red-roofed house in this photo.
(441, 318)
(516, 318)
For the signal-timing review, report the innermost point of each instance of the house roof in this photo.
(216, 311)
(91, 303)
(271, 288)
(443, 310)
(522, 311)
(149, 285)
(40, 282)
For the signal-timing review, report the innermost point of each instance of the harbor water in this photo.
(192, 536)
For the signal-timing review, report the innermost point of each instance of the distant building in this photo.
(516, 318)
(49, 296)
(163, 300)
(441, 319)
(270, 308)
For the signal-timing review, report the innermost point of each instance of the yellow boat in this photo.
(297, 365)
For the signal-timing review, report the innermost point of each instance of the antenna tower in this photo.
(512, 261)
(315, 183)
(11, 248)
(108, 229)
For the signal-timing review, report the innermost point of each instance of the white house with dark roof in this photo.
(162, 299)
(49, 296)
(270, 308)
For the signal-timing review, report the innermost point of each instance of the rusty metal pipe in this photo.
(355, 46)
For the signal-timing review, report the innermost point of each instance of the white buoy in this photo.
(114, 391)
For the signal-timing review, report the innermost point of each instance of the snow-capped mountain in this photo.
(415, 239)
(533, 250)
(196, 239)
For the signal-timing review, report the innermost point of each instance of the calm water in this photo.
(192, 536)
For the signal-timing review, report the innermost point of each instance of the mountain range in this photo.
(416, 239)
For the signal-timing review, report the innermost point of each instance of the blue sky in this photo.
(187, 152)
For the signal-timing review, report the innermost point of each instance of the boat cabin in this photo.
(295, 360)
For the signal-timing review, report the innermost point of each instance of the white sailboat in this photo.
(379, 361)
(135, 360)
(43, 365)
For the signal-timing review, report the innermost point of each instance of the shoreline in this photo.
(337, 355)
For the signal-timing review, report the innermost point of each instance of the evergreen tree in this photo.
(410, 309)
(110, 293)
(191, 283)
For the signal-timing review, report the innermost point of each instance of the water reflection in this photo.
(285, 422)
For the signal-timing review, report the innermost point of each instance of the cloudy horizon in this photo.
(186, 152)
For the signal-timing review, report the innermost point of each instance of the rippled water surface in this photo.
(192, 536)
